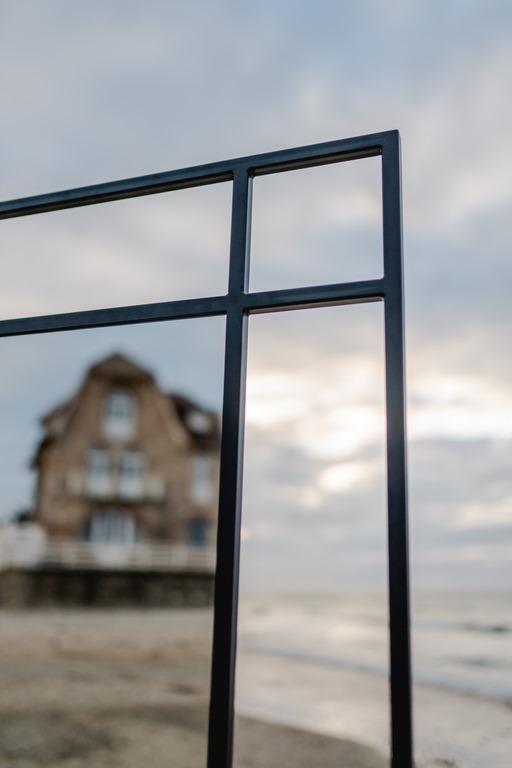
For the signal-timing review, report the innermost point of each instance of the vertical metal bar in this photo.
(220, 740)
(400, 656)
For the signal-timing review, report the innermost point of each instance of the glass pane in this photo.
(317, 226)
(461, 540)
(312, 639)
(107, 554)
(148, 249)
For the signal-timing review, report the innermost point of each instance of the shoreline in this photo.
(450, 728)
(261, 743)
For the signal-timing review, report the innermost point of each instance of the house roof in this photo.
(119, 367)
(202, 425)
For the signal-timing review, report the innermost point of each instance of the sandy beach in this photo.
(126, 688)
(130, 688)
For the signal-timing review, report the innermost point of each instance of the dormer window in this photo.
(120, 415)
(199, 422)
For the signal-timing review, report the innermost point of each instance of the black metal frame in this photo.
(236, 305)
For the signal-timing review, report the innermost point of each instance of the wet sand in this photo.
(130, 688)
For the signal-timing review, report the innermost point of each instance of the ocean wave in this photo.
(495, 628)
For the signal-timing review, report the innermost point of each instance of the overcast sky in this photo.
(97, 91)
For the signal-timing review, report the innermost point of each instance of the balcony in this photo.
(150, 487)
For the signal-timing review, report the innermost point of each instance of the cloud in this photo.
(460, 407)
(340, 477)
(130, 252)
(92, 95)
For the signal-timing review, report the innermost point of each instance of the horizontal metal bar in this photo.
(115, 190)
(316, 154)
(265, 301)
(310, 159)
(99, 318)
(201, 175)
(314, 296)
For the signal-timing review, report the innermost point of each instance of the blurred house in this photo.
(122, 462)
(126, 499)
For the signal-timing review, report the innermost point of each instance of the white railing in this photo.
(39, 551)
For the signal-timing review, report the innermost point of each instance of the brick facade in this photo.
(123, 459)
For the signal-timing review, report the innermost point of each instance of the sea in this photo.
(321, 661)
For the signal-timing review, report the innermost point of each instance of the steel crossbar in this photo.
(236, 306)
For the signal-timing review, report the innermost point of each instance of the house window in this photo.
(99, 473)
(201, 487)
(197, 532)
(112, 526)
(131, 475)
(120, 415)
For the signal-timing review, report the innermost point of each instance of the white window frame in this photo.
(131, 474)
(201, 480)
(112, 526)
(120, 415)
(99, 472)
